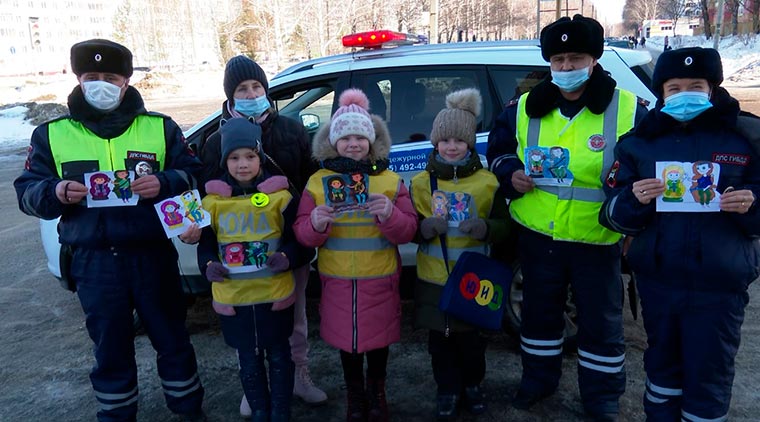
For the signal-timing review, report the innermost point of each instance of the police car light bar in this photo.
(378, 39)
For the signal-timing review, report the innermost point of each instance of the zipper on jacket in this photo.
(354, 317)
(446, 328)
(455, 179)
(255, 332)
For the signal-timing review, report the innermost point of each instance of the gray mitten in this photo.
(433, 226)
(476, 228)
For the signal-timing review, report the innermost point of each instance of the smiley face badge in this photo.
(260, 200)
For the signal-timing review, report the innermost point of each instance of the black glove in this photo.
(433, 226)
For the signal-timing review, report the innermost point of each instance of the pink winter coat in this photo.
(361, 315)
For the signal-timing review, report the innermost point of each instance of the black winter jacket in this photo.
(121, 227)
(694, 250)
(284, 140)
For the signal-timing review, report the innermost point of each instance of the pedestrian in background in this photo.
(457, 349)
(255, 303)
(122, 261)
(357, 212)
(692, 268)
(561, 243)
(287, 150)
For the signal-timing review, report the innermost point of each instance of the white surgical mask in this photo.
(570, 81)
(102, 95)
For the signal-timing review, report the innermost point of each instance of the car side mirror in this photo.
(310, 121)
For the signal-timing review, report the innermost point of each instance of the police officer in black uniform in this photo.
(692, 268)
(122, 260)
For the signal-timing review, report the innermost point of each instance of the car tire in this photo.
(512, 320)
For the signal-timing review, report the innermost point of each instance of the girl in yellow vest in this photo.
(248, 254)
(466, 190)
(357, 237)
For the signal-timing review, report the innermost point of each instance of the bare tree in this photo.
(704, 6)
(674, 9)
(635, 12)
(733, 7)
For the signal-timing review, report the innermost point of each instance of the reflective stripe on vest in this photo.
(356, 248)
(236, 220)
(71, 141)
(571, 212)
(482, 187)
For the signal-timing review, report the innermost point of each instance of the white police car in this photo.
(406, 84)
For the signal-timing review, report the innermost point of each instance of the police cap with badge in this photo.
(98, 55)
(579, 35)
(691, 62)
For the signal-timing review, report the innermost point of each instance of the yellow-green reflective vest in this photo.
(246, 235)
(356, 248)
(482, 187)
(71, 141)
(570, 213)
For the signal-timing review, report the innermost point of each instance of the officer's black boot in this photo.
(446, 407)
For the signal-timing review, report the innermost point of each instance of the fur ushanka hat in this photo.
(579, 35)
(692, 62)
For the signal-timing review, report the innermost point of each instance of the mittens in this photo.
(321, 216)
(218, 187)
(273, 184)
(278, 262)
(432, 227)
(215, 271)
(380, 206)
(476, 228)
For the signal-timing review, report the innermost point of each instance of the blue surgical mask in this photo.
(570, 81)
(102, 95)
(255, 107)
(686, 105)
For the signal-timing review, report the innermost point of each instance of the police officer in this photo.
(122, 260)
(579, 109)
(693, 268)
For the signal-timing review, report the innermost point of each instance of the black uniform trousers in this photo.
(111, 283)
(593, 274)
(693, 337)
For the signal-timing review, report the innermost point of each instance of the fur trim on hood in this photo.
(380, 149)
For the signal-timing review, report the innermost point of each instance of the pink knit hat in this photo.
(352, 118)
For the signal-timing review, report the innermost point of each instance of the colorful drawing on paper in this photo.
(244, 257)
(179, 212)
(452, 206)
(548, 165)
(110, 189)
(346, 192)
(689, 187)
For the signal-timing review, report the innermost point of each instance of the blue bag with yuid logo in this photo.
(477, 290)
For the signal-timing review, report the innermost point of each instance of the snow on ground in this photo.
(740, 54)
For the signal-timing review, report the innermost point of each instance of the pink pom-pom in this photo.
(354, 96)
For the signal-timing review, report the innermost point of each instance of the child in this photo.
(456, 348)
(358, 259)
(253, 300)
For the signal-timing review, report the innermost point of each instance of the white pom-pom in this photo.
(468, 99)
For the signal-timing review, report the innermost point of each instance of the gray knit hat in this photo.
(460, 117)
(240, 132)
(239, 69)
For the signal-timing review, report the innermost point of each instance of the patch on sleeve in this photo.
(28, 162)
(643, 101)
(730, 159)
(612, 175)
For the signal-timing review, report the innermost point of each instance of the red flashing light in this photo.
(376, 39)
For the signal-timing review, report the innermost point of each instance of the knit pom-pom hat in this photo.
(460, 117)
(352, 118)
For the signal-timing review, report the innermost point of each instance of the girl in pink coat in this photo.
(359, 264)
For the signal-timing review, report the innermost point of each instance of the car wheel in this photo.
(514, 309)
